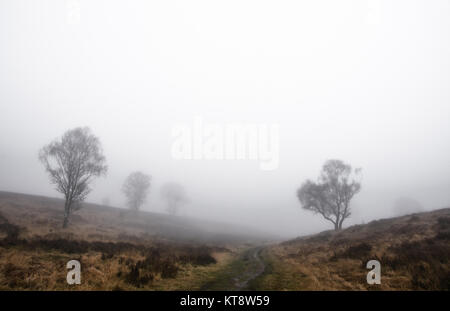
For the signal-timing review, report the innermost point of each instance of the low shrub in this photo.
(358, 251)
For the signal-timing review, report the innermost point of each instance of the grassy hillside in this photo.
(414, 252)
(43, 216)
(121, 250)
(118, 250)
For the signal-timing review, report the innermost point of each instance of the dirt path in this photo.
(238, 274)
(255, 268)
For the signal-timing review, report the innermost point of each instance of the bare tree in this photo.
(72, 163)
(331, 195)
(136, 188)
(175, 195)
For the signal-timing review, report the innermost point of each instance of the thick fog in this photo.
(367, 82)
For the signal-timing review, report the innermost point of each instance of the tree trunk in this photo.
(66, 220)
(340, 223)
(66, 214)
(338, 220)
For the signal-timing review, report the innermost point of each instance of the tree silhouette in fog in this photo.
(175, 195)
(72, 162)
(136, 189)
(331, 195)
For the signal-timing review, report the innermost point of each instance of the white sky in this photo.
(364, 81)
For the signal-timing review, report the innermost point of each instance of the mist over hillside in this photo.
(332, 78)
(224, 145)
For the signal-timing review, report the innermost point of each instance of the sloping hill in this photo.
(121, 251)
(43, 216)
(118, 250)
(413, 250)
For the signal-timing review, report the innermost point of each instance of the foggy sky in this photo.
(367, 82)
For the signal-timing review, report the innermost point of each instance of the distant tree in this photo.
(72, 162)
(136, 189)
(405, 206)
(175, 195)
(331, 195)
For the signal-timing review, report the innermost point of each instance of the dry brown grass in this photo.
(117, 250)
(414, 252)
